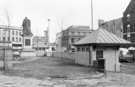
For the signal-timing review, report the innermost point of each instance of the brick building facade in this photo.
(114, 26)
(129, 22)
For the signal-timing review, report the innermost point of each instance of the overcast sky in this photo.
(74, 12)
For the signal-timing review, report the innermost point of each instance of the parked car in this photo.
(126, 58)
(16, 55)
(125, 55)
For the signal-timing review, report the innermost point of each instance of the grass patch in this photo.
(50, 67)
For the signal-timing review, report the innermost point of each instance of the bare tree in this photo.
(61, 21)
(7, 19)
(7, 15)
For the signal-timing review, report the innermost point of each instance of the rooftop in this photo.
(11, 27)
(40, 45)
(79, 27)
(102, 36)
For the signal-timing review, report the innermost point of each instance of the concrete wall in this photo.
(40, 53)
(64, 55)
(28, 54)
(59, 49)
(83, 58)
(110, 54)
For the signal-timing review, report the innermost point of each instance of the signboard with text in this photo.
(5, 44)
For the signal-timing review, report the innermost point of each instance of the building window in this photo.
(8, 38)
(4, 38)
(132, 38)
(83, 49)
(72, 33)
(72, 40)
(19, 39)
(4, 32)
(13, 39)
(16, 33)
(12, 32)
(128, 17)
(78, 33)
(20, 34)
(128, 28)
(128, 38)
(9, 32)
(73, 49)
(84, 33)
(87, 49)
(99, 54)
(78, 49)
(16, 39)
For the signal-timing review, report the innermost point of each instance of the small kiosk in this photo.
(100, 45)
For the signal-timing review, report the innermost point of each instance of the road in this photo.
(128, 67)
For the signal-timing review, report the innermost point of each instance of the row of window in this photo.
(40, 49)
(17, 33)
(129, 37)
(130, 17)
(82, 49)
(72, 40)
(76, 33)
(13, 39)
(129, 29)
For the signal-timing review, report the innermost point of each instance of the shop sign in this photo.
(5, 44)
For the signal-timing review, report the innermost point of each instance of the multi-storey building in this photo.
(114, 26)
(71, 35)
(129, 22)
(12, 34)
(38, 39)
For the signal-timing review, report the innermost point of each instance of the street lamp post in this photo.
(48, 30)
(92, 14)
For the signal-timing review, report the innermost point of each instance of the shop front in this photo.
(4, 44)
(17, 47)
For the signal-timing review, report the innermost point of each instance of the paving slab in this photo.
(46, 83)
(114, 86)
(59, 86)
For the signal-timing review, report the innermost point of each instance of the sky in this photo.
(71, 12)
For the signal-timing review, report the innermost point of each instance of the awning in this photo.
(17, 45)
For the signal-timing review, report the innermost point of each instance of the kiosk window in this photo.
(99, 54)
(78, 49)
(83, 49)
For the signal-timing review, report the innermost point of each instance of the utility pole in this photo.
(92, 14)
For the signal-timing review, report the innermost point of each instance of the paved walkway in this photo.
(110, 80)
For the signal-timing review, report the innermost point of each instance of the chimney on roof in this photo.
(100, 22)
